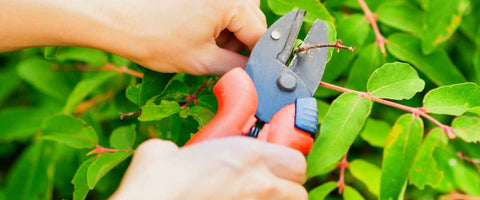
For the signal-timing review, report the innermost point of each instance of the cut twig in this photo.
(135, 113)
(338, 45)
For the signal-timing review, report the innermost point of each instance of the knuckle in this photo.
(241, 6)
(266, 189)
(152, 145)
(300, 167)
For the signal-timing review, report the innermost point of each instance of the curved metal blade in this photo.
(309, 66)
(267, 63)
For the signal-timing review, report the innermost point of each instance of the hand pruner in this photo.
(269, 100)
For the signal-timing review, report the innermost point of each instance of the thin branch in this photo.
(122, 70)
(84, 106)
(338, 45)
(129, 114)
(416, 111)
(193, 97)
(343, 164)
(372, 20)
(459, 196)
(99, 150)
(473, 161)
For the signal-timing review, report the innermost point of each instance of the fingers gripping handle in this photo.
(237, 104)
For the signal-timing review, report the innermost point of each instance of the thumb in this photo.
(246, 25)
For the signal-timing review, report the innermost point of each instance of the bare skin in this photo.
(230, 168)
(163, 35)
(169, 36)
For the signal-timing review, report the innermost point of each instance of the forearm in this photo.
(33, 23)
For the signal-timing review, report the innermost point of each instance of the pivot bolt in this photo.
(276, 35)
(286, 82)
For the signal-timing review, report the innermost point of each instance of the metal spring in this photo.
(254, 131)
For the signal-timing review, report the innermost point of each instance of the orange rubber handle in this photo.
(237, 104)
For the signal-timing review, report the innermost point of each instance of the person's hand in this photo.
(231, 168)
(163, 35)
(182, 35)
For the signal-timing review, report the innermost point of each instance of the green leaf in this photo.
(31, 176)
(201, 114)
(153, 83)
(322, 110)
(367, 173)
(453, 99)
(89, 56)
(79, 181)
(350, 193)
(103, 164)
(467, 128)
(437, 66)
(375, 132)
(70, 131)
(123, 137)
(341, 125)
(37, 72)
(322, 191)
(403, 143)
(424, 171)
(458, 174)
(315, 10)
(10, 81)
(441, 20)
(476, 66)
(369, 59)
(398, 14)
(175, 90)
(475, 111)
(176, 129)
(353, 31)
(50, 53)
(133, 93)
(152, 112)
(20, 123)
(84, 88)
(466, 177)
(395, 81)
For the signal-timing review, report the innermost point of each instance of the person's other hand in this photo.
(231, 168)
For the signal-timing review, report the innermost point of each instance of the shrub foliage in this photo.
(399, 117)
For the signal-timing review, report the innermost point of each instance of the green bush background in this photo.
(58, 104)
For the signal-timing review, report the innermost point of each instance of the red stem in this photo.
(372, 20)
(343, 164)
(416, 111)
(460, 196)
(99, 150)
(122, 70)
(193, 97)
